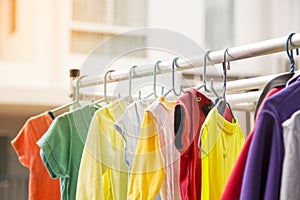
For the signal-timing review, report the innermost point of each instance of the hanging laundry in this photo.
(232, 190)
(234, 184)
(156, 164)
(276, 82)
(262, 176)
(62, 145)
(290, 180)
(103, 173)
(129, 126)
(41, 185)
(190, 112)
(221, 142)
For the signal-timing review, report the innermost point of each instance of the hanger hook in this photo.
(206, 57)
(224, 72)
(77, 85)
(290, 54)
(224, 85)
(156, 67)
(213, 90)
(175, 64)
(131, 71)
(105, 85)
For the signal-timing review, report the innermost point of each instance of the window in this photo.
(219, 24)
(3, 155)
(94, 21)
(17, 31)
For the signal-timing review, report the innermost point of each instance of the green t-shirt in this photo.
(62, 146)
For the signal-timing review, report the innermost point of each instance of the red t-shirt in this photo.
(190, 112)
(188, 118)
(233, 187)
(41, 185)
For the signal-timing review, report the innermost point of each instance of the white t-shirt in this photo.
(290, 178)
(129, 126)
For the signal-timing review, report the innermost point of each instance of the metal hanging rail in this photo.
(215, 57)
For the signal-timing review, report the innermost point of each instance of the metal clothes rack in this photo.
(244, 101)
(215, 57)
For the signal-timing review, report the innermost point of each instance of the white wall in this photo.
(261, 20)
(185, 17)
(34, 61)
(29, 72)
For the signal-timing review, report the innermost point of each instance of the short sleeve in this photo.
(55, 147)
(24, 143)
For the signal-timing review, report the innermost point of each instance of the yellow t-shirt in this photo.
(155, 166)
(147, 172)
(103, 173)
(221, 142)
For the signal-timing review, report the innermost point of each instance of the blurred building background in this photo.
(40, 40)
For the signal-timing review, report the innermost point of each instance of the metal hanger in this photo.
(212, 89)
(104, 99)
(76, 100)
(224, 79)
(154, 93)
(290, 52)
(222, 103)
(174, 64)
(131, 71)
(204, 72)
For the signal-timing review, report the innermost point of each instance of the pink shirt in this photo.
(188, 119)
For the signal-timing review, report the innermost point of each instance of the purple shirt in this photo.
(262, 175)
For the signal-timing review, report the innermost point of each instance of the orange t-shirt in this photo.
(41, 185)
